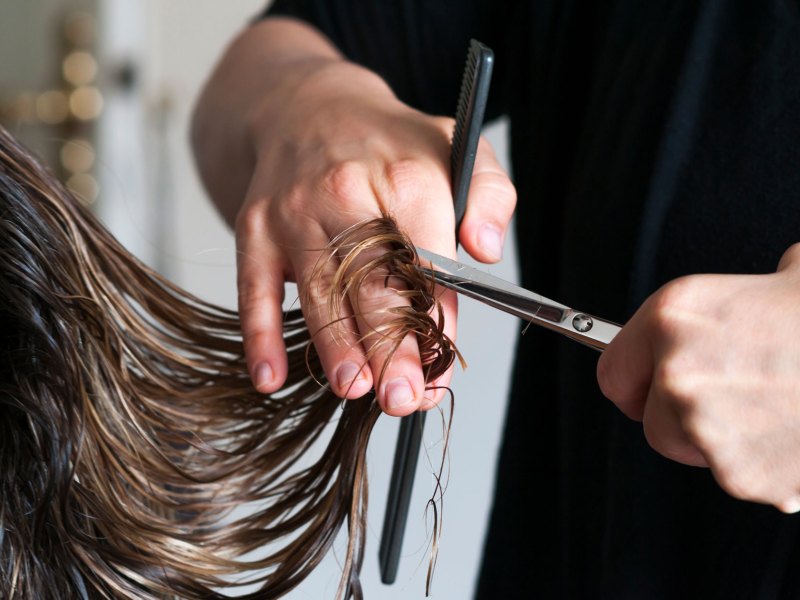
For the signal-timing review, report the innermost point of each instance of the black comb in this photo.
(469, 120)
(464, 146)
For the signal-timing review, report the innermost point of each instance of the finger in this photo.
(384, 320)
(409, 189)
(260, 282)
(665, 432)
(393, 354)
(438, 388)
(377, 303)
(625, 369)
(790, 258)
(490, 206)
(335, 334)
(436, 234)
(394, 363)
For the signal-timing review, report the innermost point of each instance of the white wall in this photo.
(160, 210)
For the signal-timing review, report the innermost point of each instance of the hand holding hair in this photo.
(328, 145)
(711, 365)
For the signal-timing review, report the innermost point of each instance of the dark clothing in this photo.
(649, 140)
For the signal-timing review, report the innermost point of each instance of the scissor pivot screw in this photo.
(582, 323)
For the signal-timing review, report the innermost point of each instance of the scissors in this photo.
(582, 327)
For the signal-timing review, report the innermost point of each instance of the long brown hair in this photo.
(130, 431)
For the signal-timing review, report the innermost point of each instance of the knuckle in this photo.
(495, 189)
(344, 180)
(736, 481)
(791, 256)
(418, 187)
(665, 442)
(292, 207)
(377, 298)
(701, 432)
(686, 392)
(250, 220)
(712, 439)
(508, 191)
(374, 289)
(321, 298)
(654, 434)
(406, 177)
(651, 434)
(794, 250)
(676, 383)
(670, 304)
(741, 472)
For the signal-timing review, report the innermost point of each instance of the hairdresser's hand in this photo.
(333, 147)
(711, 365)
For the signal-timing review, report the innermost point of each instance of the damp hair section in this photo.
(130, 430)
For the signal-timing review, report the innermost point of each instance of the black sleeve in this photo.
(419, 47)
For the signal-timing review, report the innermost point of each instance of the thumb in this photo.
(490, 205)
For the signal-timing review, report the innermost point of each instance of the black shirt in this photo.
(649, 140)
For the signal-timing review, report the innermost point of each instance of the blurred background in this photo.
(103, 90)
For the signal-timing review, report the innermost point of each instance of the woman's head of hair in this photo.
(130, 431)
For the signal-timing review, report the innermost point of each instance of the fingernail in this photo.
(491, 241)
(264, 375)
(791, 506)
(398, 393)
(347, 375)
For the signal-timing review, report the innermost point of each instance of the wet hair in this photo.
(131, 435)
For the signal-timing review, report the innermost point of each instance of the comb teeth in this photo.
(469, 118)
(459, 135)
(467, 83)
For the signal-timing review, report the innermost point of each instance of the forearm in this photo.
(258, 75)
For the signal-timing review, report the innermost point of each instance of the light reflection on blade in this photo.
(492, 290)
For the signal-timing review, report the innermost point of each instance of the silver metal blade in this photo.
(490, 285)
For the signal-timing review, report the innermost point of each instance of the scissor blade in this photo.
(493, 290)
